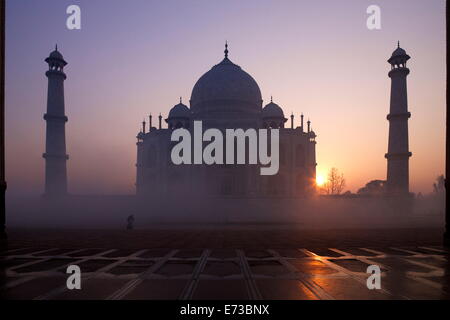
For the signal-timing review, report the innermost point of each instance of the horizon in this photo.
(113, 86)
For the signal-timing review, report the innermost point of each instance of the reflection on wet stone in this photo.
(351, 264)
(224, 274)
(310, 266)
(324, 252)
(291, 253)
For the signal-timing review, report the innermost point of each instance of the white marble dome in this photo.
(224, 87)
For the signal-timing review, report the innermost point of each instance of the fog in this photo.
(111, 212)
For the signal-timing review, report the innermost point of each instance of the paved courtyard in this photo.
(233, 263)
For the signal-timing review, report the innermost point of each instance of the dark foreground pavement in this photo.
(228, 262)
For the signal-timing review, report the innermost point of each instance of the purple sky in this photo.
(136, 57)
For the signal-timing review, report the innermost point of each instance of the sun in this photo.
(320, 180)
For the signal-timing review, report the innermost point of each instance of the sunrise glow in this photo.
(320, 180)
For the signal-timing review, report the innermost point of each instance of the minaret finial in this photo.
(301, 117)
(226, 49)
(398, 44)
(271, 99)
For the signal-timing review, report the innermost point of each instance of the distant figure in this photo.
(130, 222)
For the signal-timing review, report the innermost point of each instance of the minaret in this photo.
(398, 149)
(55, 145)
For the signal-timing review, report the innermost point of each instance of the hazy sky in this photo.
(135, 57)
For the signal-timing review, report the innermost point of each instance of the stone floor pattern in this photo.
(190, 274)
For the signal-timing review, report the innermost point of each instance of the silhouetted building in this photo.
(55, 145)
(226, 97)
(398, 149)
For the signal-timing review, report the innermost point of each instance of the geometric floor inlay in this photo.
(303, 273)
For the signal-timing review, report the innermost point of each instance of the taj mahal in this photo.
(226, 97)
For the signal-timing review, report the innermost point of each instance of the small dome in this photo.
(398, 52)
(179, 111)
(272, 110)
(56, 59)
(56, 55)
(399, 56)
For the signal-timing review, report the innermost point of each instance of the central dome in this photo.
(226, 87)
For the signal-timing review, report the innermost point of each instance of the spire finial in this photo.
(143, 126)
(226, 49)
(181, 100)
(56, 47)
(398, 44)
(271, 99)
